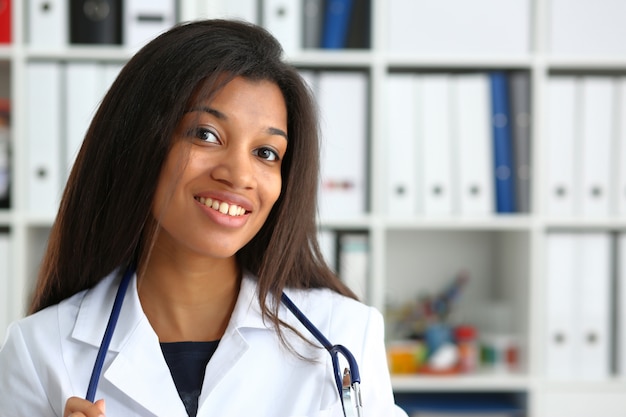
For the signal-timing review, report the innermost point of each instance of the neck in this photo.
(190, 300)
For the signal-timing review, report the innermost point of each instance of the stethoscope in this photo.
(348, 382)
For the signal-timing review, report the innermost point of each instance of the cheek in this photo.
(166, 186)
(159, 203)
(273, 187)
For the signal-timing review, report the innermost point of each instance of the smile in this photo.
(221, 206)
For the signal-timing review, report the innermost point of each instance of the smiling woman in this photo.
(232, 157)
(190, 216)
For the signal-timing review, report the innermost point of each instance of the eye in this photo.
(206, 135)
(267, 153)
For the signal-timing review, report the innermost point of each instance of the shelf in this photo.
(324, 59)
(6, 217)
(406, 61)
(39, 221)
(613, 385)
(6, 52)
(585, 224)
(616, 63)
(474, 382)
(83, 53)
(453, 222)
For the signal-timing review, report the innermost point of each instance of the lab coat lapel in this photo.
(140, 371)
(233, 345)
(138, 368)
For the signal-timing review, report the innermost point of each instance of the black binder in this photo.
(96, 22)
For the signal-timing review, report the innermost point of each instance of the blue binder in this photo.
(336, 24)
(502, 143)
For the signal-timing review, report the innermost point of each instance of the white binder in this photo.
(247, 10)
(594, 306)
(83, 92)
(578, 305)
(48, 23)
(6, 312)
(436, 138)
(327, 240)
(402, 146)
(43, 137)
(342, 98)
(353, 262)
(311, 80)
(143, 20)
(619, 181)
(86, 83)
(620, 307)
(596, 144)
(560, 305)
(283, 18)
(473, 144)
(561, 137)
(111, 71)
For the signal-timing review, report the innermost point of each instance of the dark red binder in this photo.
(5, 21)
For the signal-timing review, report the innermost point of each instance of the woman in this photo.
(197, 175)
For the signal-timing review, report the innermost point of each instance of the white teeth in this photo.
(222, 207)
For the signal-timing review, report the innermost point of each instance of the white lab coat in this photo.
(49, 357)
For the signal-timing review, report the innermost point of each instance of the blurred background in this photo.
(473, 176)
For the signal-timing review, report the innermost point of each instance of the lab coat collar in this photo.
(139, 361)
(98, 302)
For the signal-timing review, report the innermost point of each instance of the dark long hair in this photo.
(104, 220)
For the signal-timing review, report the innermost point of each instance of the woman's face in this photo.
(223, 173)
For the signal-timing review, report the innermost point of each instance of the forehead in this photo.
(211, 86)
(262, 100)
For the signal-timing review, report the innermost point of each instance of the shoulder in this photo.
(45, 323)
(35, 377)
(338, 316)
(55, 322)
(325, 300)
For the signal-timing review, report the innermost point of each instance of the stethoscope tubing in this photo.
(354, 369)
(333, 350)
(108, 335)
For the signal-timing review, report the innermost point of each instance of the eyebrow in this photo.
(270, 130)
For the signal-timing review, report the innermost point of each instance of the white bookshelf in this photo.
(506, 253)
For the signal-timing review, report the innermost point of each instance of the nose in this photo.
(235, 168)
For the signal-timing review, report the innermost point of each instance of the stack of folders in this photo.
(585, 146)
(63, 96)
(336, 24)
(347, 253)
(131, 23)
(303, 24)
(6, 278)
(585, 306)
(457, 143)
